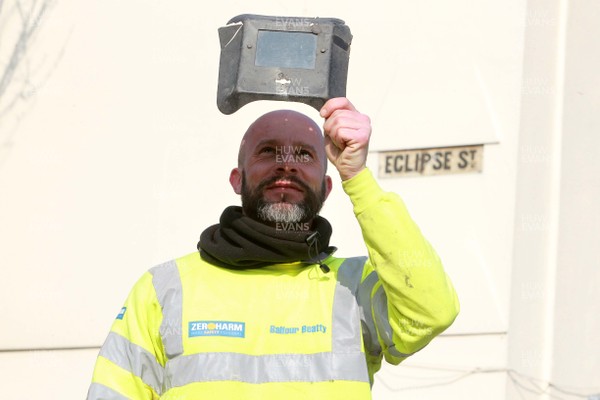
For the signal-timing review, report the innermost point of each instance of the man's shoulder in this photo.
(352, 268)
(175, 264)
(192, 263)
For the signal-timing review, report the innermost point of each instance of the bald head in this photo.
(282, 168)
(283, 126)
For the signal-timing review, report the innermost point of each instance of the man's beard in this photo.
(257, 208)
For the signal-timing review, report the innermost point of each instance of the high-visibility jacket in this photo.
(191, 330)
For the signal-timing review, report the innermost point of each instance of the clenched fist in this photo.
(347, 134)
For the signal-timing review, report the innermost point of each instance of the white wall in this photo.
(119, 158)
(553, 316)
(577, 302)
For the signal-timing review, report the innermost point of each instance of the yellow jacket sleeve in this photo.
(131, 360)
(411, 298)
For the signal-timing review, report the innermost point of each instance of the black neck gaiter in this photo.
(240, 242)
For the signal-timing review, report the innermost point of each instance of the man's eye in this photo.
(267, 150)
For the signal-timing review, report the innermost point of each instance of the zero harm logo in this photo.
(216, 328)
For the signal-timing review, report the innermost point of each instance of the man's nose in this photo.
(286, 167)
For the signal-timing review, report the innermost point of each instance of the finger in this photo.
(344, 119)
(347, 119)
(345, 137)
(337, 103)
(331, 150)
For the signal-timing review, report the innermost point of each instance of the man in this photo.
(264, 310)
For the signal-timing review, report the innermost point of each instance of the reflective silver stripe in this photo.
(133, 358)
(383, 325)
(317, 367)
(98, 391)
(345, 327)
(346, 340)
(167, 284)
(364, 303)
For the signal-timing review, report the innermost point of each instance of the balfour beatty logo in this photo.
(216, 328)
(292, 330)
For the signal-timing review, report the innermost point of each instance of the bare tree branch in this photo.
(20, 47)
(22, 73)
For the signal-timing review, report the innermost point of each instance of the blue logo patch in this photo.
(217, 328)
(122, 313)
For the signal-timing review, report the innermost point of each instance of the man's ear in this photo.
(328, 186)
(235, 179)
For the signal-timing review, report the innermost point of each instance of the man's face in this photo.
(257, 207)
(281, 176)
